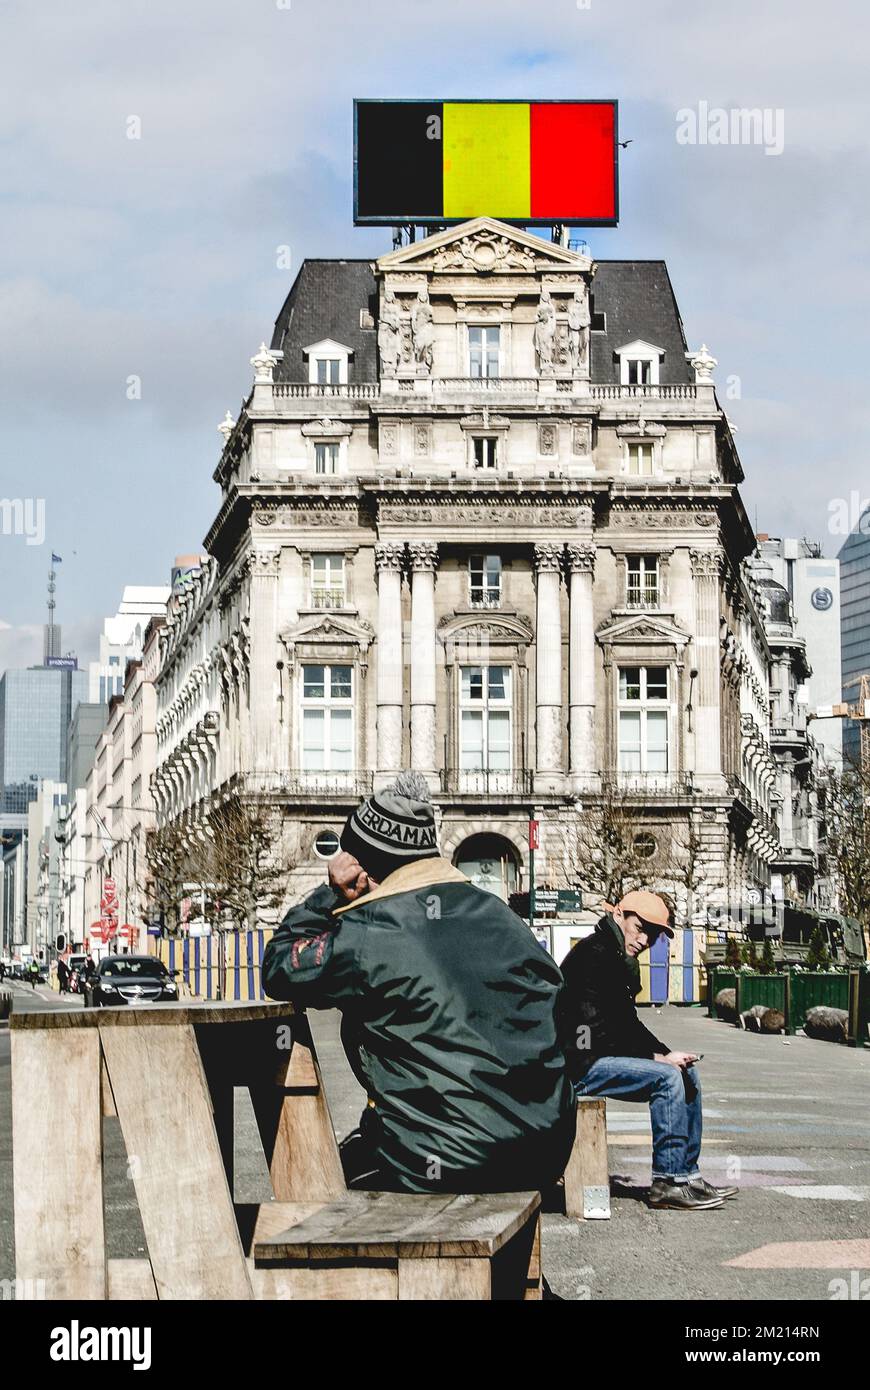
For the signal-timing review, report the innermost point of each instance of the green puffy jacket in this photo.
(448, 1007)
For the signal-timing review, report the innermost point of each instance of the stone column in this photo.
(705, 570)
(581, 665)
(548, 670)
(261, 655)
(388, 561)
(424, 558)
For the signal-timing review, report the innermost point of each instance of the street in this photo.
(787, 1119)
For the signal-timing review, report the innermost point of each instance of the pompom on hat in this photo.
(393, 827)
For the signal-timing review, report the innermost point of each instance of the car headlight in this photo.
(108, 989)
(170, 985)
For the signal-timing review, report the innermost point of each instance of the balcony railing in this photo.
(353, 782)
(486, 601)
(485, 782)
(614, 392)
(649, 783)
(486, 383)
(327, 598)
(358, 391)
(650, 599)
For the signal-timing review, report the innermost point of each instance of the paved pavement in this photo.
(789, 1120)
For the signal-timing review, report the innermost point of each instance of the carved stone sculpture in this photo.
(578, 329)
(389, 334)
(545, 331)
(422, 331)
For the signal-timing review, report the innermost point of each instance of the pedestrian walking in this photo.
(33, 974)
(62, 975)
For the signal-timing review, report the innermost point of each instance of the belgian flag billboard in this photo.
(529, 162)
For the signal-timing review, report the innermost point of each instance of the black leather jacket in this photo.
(597, 1009)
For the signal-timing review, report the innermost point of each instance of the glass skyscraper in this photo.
(36, 706)
(855, 623)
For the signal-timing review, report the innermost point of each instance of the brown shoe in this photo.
(679, 1196)
(705, 1188)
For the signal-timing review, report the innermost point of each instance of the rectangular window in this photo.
(328, 371)
(483, 352)
(639, 371)
(485, 452)
(326, 458)
(644, 721)
(642, 589)
(485, 741)
(641, 459)
(327, 581)
(327, 718)
(485, 575)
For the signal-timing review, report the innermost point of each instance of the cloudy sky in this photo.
(157, 258)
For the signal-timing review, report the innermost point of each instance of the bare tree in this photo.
(607, 850)
(846, 800)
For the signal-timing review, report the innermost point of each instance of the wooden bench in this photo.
(376, 1246)
(169, 1074)
(587, 1180)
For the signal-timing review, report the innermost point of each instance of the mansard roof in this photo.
(335, 298)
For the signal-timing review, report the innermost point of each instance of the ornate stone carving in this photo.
(264, 365)
(422, 441)
(389, 334)
(578, 329)
(389, 555)
(457, 514)
(424, 554)
(581, 437)
(705, 563)
(485, 251)
(581, 558)
(702, 364)
(422, 331)
(548, 557)
(264, 561)
(226, 427)
(548, 440)
(642, 518)
(389, 438)
(545, 332)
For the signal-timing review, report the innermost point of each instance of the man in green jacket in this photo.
(448, 1007)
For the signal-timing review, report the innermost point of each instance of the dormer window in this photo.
(639, 363)
(328, 363)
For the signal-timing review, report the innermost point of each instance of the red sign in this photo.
(534, 834)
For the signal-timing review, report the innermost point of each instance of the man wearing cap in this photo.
(611, 1053)
(448, 1007)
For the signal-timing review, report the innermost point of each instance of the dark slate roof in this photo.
(325, 302)
(638, 301)
(636, 298)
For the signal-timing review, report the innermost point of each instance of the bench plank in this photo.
(57, 1156)
(444, 1281)
(396, 1225)
(165, 1113)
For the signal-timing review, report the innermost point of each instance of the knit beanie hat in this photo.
(393, 827)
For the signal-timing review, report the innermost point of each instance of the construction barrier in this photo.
(225, 966)
(670, 972)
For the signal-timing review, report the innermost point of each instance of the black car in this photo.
(130, 980)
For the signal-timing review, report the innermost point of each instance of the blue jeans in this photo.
(674, 1104)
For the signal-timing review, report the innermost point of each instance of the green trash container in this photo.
(811, 988)
(770, 990)
(718, 977)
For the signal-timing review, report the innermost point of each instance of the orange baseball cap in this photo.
(649, 907)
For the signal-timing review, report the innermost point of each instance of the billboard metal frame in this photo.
(414, 219)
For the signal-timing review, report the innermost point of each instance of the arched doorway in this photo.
(490, 862)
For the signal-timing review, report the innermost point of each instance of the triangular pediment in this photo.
(486, 246)
(328, 627)
(642, 628)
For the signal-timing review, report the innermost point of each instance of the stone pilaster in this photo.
(549, 769)
(261, 652)
(581, 665)
(424, 558)
(388, 561)
(705, 572)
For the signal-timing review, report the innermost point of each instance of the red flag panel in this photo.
(573, 161)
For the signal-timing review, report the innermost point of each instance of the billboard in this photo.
(528, 162)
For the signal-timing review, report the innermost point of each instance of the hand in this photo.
(679, 1059)
(348, 877)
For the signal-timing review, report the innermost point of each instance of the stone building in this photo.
(479, 515)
